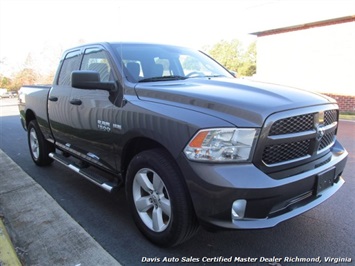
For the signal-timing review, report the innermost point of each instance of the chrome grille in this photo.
(296, 139)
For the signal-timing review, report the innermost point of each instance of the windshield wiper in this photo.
(215, 76)
(164, 78)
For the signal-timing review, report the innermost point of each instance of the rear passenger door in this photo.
(59, 106)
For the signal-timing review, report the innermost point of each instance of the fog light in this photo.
(238, 209)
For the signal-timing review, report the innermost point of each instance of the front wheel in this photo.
(39, 146)
(158, 198)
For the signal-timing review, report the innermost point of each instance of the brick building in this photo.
(317, 56)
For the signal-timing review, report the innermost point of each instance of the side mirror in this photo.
(90, 80)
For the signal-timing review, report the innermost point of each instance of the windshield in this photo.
(150, 63)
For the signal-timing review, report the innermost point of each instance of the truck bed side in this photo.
(33, 105)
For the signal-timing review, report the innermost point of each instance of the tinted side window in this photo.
(71, 62)
(98, 60)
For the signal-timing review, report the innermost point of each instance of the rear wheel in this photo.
(39, 146)
(158, 199)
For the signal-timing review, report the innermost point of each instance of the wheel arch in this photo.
(30, 115)
(135, 146)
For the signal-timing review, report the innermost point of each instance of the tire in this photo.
(39, 147)
(158, 199)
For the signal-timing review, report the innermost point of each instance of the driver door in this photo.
(92, 112)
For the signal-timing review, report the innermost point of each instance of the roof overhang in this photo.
(305, 26)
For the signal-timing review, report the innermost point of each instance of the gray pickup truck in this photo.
(191, 144)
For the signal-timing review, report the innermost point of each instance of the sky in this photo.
(45, 28)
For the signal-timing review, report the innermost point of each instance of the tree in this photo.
(229, 54)
(5, 82)
(248, 68)
(233, 56)
(47, 78)
(26, 76)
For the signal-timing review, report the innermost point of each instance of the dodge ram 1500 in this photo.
(191, 144)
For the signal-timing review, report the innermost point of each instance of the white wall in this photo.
(319, 59)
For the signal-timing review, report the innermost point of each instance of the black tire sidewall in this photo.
(159, 162)
(44, 146)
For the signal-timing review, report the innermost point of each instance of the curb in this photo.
(8, 254)
(43, 232)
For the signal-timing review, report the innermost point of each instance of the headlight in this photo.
(222, 145)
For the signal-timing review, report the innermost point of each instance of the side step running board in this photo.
(94, 178)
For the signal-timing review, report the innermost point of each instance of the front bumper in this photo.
(215, 187)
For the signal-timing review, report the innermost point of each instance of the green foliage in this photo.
(228, 54)
(5, 82)
(233, 56)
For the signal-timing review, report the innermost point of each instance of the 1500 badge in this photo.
(104, 125)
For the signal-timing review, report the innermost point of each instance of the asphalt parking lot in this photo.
(326, 232)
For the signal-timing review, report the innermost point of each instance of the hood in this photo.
(241, 102)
